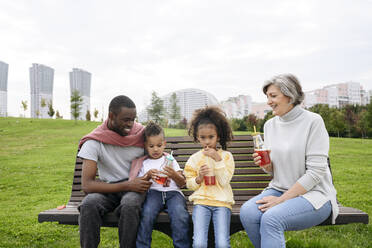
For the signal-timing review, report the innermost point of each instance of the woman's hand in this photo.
(212, 153)
(268, 202)
(257, 161)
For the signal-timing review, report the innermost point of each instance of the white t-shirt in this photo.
(150, 163)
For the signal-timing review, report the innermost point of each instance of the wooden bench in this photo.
(248, 181)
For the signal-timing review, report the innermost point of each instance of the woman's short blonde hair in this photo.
(289, 85)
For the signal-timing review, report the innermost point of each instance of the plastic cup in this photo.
(260, 148)
(210, 180)
(265, 157)
(161, 179)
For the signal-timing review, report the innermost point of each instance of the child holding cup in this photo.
(164, 193)
(208, 172)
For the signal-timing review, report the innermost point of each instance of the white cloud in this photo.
(224, 47)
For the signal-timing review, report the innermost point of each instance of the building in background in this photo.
(80, 80)
(237, 107)
(260, 109)
(3, 89)
(41, 79)
(336, 95)
(188, 100)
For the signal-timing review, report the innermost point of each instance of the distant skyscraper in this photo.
(41, 79)
(3, 88)
(80, 80)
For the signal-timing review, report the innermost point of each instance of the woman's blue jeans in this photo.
(172, 202)
(201, 217)
(266, 229)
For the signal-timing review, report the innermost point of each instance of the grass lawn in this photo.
(37, 160)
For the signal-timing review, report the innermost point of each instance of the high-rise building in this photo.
(260, 109)
(336, 95)
(80, 80)
(237, 107)
(3, 88)
(188, 100)
(41, 79)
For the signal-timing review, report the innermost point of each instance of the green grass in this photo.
(36, 168)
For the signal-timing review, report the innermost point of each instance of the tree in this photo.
(156, 109)
(43, 103)
(369, 116)
(95, 113)
(251, 121)
(58, 116)
(87, 115)
(238, 124)
(362, 124)
(24, 106)
(350, 117)
(182, 124)
(51, 110)
(337, 123)
(175, 111)
(76, 102)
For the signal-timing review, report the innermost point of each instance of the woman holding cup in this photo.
(301, 193)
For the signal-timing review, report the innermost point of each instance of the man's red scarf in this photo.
(103, 134)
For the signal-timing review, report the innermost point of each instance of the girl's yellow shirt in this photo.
(219, 195)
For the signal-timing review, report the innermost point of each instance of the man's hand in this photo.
(139, 184)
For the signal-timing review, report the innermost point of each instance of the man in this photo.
(110, 148)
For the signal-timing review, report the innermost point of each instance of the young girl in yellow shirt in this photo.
(208, 172)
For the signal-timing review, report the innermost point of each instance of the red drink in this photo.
(265, 158)
(210, 180)
(161, 180)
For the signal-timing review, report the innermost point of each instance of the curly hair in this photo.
(211, 115)
(152, 129)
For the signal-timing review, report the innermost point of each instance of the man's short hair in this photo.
(120, 101)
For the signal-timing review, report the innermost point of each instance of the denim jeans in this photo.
(201, 217)
(127, 206)
(172, 202)
(266, 229)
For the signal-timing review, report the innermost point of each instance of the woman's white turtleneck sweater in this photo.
(299, 145)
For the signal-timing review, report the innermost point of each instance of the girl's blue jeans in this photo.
(201, 217)
(172, 202)
(266, 229)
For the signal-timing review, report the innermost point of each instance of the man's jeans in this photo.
(201, 217)
(174, 204)
(127, 206)
(266, 229)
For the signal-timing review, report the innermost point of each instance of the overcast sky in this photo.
(224, 47)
